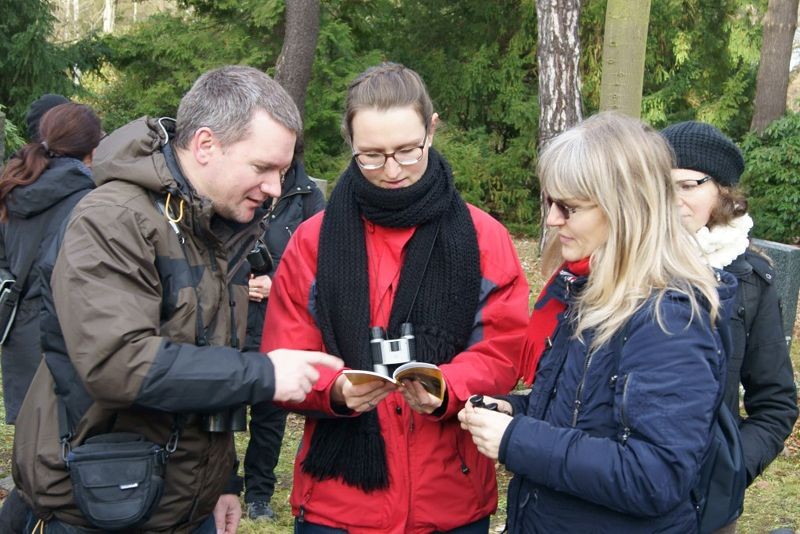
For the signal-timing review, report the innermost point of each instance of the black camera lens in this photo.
(259, 258)
(228, 420)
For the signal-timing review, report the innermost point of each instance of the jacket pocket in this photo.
(475, 467)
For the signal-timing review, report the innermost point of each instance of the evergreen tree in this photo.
(30, 63)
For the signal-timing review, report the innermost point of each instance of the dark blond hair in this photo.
(385, 86)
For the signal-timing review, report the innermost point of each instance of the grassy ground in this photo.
(773, 501)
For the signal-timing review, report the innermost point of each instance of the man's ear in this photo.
(204, 145)
(432, 128)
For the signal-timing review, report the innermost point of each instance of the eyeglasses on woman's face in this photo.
(691, 186)
(405, 156)
(565, 210)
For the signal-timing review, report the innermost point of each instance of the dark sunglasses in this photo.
(563, 210)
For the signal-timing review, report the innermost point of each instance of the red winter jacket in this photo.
(438, 479)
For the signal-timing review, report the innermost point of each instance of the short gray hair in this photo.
(225, 99)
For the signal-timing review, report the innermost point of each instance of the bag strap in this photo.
(29, 255)
(66, 432)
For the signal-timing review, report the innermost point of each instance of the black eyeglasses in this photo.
(688, 186)
(403, 156)
(563, 209)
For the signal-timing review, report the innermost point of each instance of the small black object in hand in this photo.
(477, 402)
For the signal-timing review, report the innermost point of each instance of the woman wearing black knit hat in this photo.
(397, 244)
(707, 170)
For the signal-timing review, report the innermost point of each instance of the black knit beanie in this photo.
(701, 147)
(38, 108)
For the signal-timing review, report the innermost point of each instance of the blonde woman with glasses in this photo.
(617, 425)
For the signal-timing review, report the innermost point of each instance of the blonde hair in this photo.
(623, 166)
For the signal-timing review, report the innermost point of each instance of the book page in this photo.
(357, 377)
(427, 374)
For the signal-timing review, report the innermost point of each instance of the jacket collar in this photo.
(63, 177)
(740, 267)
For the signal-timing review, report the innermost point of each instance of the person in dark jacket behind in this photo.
(38, 190)
(300, 199)
(707, 170)
(143, 322)
(617, 424)
(36, 111)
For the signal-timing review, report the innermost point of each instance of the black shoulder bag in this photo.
(117, 478)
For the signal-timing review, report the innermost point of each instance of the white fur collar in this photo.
(723, 244)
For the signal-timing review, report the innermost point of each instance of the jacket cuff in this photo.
(517, 403)
(235, 484)
(501, 454)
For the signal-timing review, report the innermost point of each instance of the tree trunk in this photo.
(2, 139)
(558, 54)
(109, 14)
(76, 18)
(624, 44)
(293, 69)
(773, 69)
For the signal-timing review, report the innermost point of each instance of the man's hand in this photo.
(486, 426)
(418, 398)
(362, 397)
(227, 514)
(295, 374)
(259, 287)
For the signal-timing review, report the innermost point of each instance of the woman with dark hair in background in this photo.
(707, 171)
(38, 190)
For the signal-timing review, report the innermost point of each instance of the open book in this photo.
(427, 374)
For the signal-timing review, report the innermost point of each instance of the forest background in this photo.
(479, 59)
(131, 58)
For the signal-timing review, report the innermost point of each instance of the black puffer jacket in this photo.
(300, 199)
(760, 361)
(37, 213)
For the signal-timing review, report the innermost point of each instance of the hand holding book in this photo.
(362, 396)
(428, 375)
(422, 384)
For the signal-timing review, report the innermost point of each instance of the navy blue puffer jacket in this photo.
(613, 442)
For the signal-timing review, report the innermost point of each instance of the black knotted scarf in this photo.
(442, 314)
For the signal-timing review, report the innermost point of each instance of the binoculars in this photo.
(260, 259)
(388, 354)
(233, 419)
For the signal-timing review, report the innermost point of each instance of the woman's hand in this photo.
(259, 287)
(418, 398)
(360, 398)
(486, 426)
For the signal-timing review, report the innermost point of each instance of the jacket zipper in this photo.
(626, 430)
(577, 404)
(212, 257)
